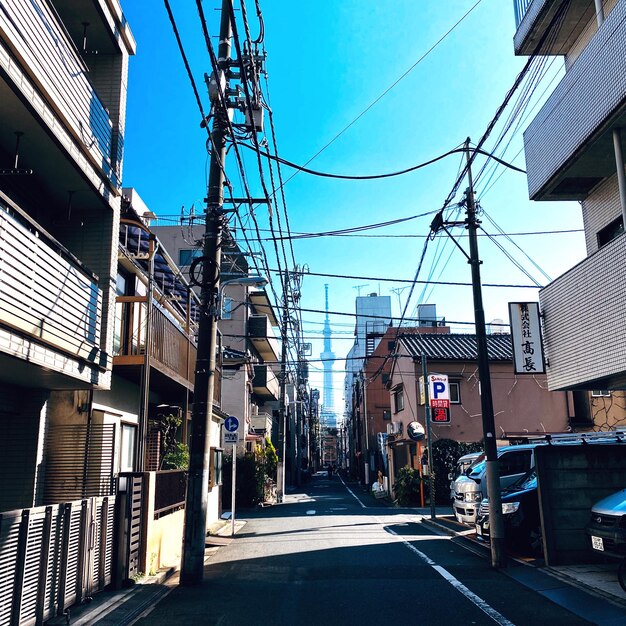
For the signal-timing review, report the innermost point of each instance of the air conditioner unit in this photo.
(395, 428)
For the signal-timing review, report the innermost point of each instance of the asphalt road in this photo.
(323, 558)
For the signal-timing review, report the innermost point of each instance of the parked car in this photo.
(471, 488)
(465, 463)
(520, 513)
(607, 527)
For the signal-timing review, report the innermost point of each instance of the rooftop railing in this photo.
(521, 6)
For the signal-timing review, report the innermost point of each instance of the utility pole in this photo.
(282, 415)
(429, 442)
(496, 524)
(196, 500)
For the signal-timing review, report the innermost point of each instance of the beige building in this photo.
(522, 404)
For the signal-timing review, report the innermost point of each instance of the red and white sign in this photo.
(439, 391)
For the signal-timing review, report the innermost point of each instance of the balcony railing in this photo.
(262, 337)
(569, 144)
(169, 345)
(42, 44)
(265, 384)
(521, 6)
(583, 322)
(45, 293)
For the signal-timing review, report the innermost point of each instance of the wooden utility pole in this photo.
(196, 500)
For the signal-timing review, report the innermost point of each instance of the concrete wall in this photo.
(571, 480)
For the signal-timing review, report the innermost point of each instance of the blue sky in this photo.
(327, 61)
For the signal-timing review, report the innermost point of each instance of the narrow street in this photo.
(325, 557)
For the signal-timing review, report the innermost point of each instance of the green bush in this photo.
(177, 458)
(252, 471)
(446, 452)
(407, 486)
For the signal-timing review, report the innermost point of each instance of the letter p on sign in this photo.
(439, 389)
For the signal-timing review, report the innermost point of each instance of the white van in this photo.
(471, 488)
(462, 466)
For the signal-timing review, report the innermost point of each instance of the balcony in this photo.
(262, 337)
(534, 18)
(584, 321)
(262, 424)
(46, 74)
(265, 384)
(569, 145)
(171, 350)
(50, 308)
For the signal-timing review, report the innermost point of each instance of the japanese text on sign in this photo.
(526, 338)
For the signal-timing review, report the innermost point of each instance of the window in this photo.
(391, 346)
(610, 231)
(215, 467)
(517, 462)
(455, 393)
(387, 414)
(600, 393)
(384, 379)
(127, 447)
(185, 257)
(227, 308)
(398, 398)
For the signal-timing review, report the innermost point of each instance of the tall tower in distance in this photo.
(328, 360)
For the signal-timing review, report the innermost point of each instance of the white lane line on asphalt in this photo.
(457, 584)
(311, 512)
(352, 493)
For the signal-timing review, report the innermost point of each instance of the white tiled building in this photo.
(574, 149)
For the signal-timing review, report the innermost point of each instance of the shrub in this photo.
(407, 486)
(446, 452)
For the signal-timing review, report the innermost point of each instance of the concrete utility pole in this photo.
(282, 419)
(496, 524)
(429, 440)
(196, 501)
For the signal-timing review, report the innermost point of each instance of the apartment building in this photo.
(63, 74)
(574, 151)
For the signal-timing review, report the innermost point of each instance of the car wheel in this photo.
(535, 541)
(621, 574)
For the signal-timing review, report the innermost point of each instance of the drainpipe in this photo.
(142, 434)
(599, 12)
(621, 178)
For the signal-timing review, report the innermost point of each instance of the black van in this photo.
(520, 511)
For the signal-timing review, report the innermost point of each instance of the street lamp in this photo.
(257, 280)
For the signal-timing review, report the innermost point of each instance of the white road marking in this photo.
(352, 493)
(311, 512)
(457, 584)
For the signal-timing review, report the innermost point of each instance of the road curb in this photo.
(483, 551)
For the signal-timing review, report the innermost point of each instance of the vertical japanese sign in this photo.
(526, 337)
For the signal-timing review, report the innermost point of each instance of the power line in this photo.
(302, 168)
(419, 282)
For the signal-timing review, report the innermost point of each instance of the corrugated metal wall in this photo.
(52, 557)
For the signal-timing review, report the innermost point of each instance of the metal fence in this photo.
(54, 556)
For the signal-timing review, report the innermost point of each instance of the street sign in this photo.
(231, 424)
(415, 431)
(528, 355)
(231, 437)
(439, 391)
(440, 415)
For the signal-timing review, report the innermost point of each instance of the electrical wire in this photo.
(302, 168)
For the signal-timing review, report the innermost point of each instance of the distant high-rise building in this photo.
(373, 317)
(328, 359)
